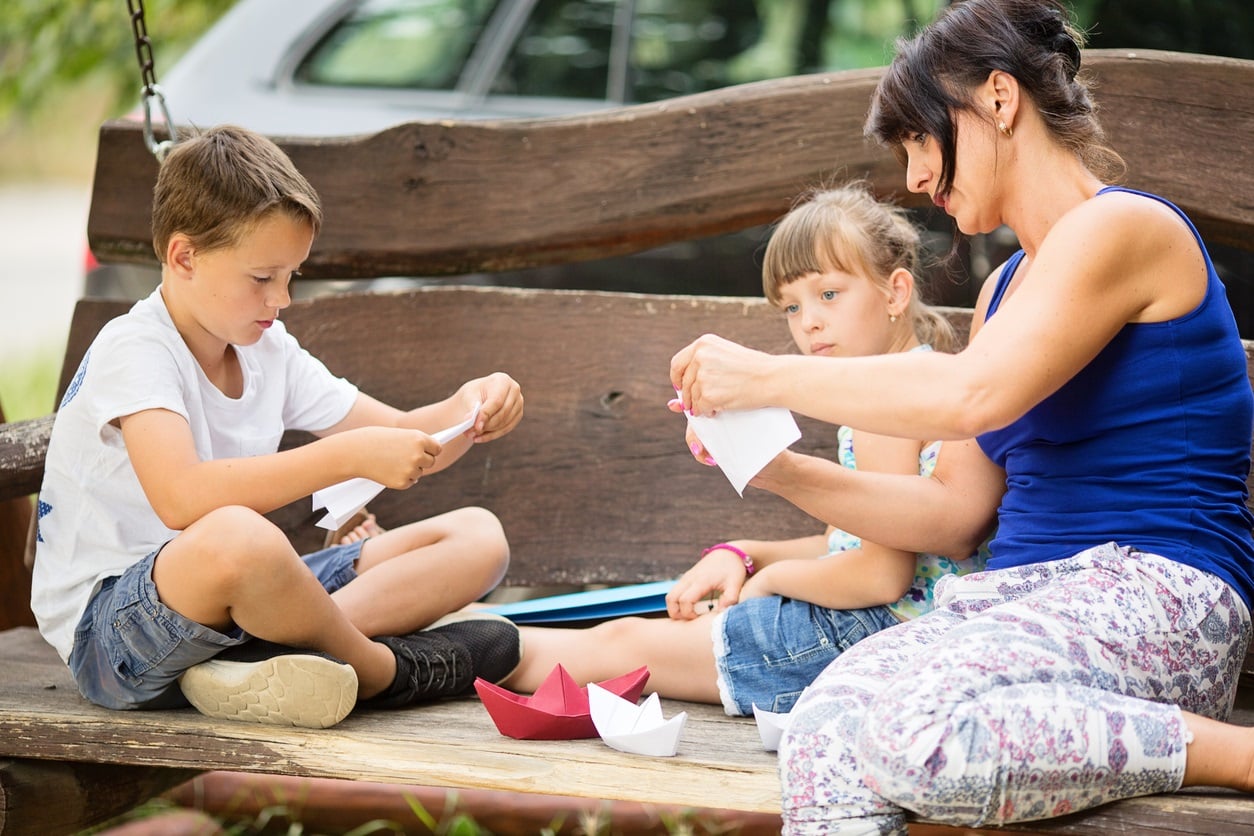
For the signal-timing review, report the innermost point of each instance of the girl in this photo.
(1097, 657)
(840, 268)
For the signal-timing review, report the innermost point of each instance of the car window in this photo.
(567, 49)
(682, 48)
(420, 44)
(562, 52)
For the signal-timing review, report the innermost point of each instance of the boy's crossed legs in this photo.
(233, 574)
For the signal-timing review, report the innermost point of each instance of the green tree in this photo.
(47, 47)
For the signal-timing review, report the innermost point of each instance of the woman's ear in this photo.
(1001, 91)
(900, 291)
(179, 254)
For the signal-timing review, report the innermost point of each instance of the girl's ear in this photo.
(178, 255)
(900, 291)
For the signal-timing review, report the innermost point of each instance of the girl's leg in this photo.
(1060, 698)
(679, 655)
(410, 576)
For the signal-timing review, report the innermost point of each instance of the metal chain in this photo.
(151, 90)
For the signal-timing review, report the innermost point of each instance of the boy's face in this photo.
(237, 292)
(836, 314)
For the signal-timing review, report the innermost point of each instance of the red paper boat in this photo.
(558, 710)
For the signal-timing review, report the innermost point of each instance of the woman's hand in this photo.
(712, 374)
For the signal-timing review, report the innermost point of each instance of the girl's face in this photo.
(970, 200)
(837, 314)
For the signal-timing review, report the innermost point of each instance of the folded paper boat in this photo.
(771, 727)
(638, 729)
(558, 710)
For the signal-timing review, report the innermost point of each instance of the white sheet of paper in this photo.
(346, 498)
(637, 729)
(743, 441)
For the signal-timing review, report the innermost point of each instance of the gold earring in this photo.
(1006, 129)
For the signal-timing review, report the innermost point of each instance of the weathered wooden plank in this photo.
(15, 521)
(450, 744)
(454, 744)
(455, 197)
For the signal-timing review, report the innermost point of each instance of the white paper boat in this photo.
(771, 726)
(637, 729)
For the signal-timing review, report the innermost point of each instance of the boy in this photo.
(154, 565)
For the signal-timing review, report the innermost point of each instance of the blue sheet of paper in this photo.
(593, 605)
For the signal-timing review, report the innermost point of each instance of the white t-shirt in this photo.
(94, 520)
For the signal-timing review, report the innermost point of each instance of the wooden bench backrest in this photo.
(596, 485)
(445, 198)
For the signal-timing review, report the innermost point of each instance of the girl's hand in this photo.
(713, 374)
(393, 456)
(719, 571)
(501, 405)
(757, 586)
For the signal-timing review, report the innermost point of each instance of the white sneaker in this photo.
(297, 689)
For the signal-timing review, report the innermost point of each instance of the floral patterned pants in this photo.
(1028, 693)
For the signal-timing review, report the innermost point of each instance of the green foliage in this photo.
(28, 384)
(46, 47)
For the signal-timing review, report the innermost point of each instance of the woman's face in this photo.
(970, 199)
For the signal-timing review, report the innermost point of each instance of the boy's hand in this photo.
(395, 457)
(501, 405)
(719, 571)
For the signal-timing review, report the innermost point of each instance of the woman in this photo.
(1098, 655)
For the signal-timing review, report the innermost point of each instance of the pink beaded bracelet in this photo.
(744, 558)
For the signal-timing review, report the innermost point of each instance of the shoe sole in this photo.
(294, 690)
(478, 615)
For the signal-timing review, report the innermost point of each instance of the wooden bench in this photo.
(595, 486)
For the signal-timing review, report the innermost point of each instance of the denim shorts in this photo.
(130, 649)
(767, 650)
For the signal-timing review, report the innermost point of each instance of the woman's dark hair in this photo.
(933, 75)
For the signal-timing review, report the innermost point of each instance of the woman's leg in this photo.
(1065, 696)
(410, 576)
(820, 772)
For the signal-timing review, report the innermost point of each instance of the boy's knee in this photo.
(235, 531)
(486, 531)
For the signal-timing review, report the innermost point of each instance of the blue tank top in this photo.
(1147, 446)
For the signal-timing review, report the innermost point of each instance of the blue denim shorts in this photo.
(767, 650)
(130, 649)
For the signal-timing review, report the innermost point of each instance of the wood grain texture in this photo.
(428, 199)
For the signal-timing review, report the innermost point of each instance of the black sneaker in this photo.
(493, 640)
(444, 659)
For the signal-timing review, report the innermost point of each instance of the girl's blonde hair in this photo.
(845, 228)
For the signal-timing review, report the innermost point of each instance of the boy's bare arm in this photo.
(498, 397)
(182, 488)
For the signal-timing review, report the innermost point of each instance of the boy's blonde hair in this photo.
(218, 184)
(845, 228)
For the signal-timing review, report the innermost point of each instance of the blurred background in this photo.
(325, 67)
